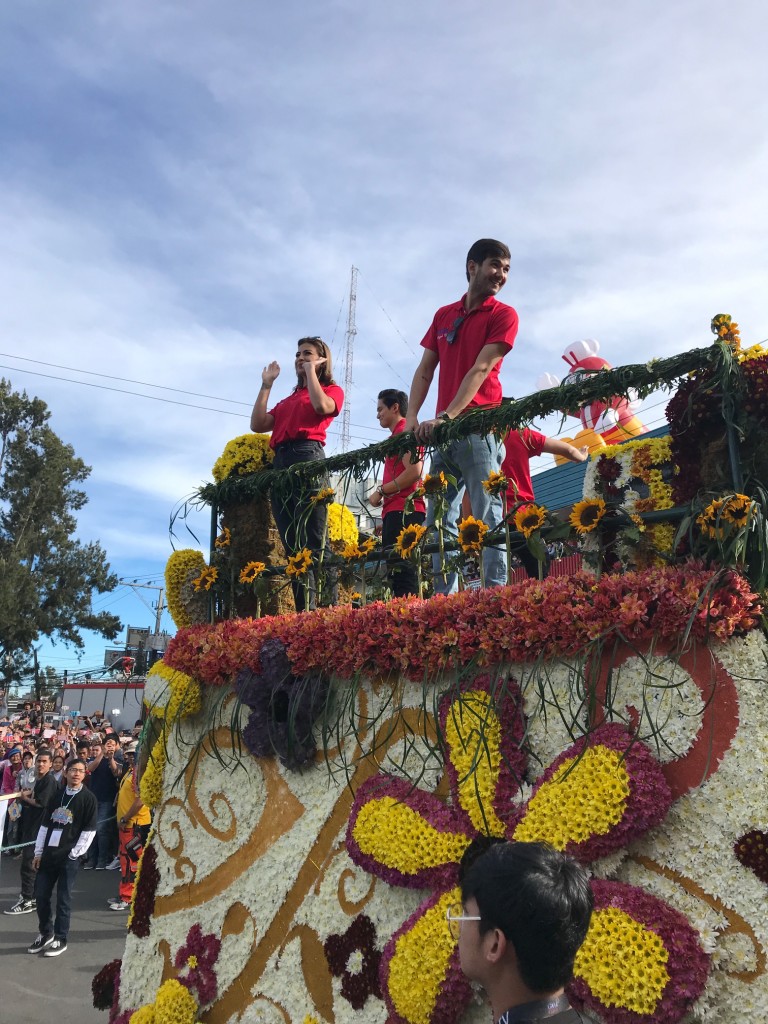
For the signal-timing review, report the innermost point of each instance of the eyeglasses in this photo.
(454, 915)
(451, 335)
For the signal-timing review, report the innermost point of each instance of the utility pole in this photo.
(159, 608)
(350, 344)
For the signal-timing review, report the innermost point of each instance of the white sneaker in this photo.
(114, 865)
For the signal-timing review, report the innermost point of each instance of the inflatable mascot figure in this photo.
(603, 422)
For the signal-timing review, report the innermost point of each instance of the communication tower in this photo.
(349, 352)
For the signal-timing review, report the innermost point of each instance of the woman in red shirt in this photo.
(299, 424)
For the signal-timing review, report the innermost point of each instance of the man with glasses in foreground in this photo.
(524, 914)
(468, 341)
(66, 832)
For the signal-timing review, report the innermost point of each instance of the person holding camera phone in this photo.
(133, 823)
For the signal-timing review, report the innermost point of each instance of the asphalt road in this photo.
(57, 990)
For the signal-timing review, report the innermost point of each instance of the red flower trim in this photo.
(555, 618)
(649, 794)
(687, 966)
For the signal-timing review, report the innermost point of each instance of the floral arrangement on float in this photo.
(630, 479)
(318, 779)
(323, 896)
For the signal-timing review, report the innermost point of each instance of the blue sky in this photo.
(186, 186)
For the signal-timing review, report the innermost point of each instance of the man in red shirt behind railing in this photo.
(468, 341)
(402, 476)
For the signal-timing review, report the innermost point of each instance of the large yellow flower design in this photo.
(598, 795)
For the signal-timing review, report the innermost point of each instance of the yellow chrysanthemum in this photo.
(248, 453)
(181, 569)
(530, 518)
(429, 944)
(144, 1015)
(399, 837)
(495, 483)
(251, 571)
(151, 784)
(342, 526)
(473, 737)
(206, 579)
(224, 539)
(185, 697)
(408, 538)
(323, 496)
(587, 514)
(623, 962)
(471, 533)
(175, 1004)
(585, 797)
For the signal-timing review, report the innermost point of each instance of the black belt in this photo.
(286, 445)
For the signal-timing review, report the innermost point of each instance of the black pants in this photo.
(28, 873)
(300, 523)
(531, 563)
(402, 571)
(59, 874)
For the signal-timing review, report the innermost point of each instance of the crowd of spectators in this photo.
(39, 758)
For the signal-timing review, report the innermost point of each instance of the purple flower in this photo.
(283, 707)
(353, 957)
(144, 894)
(195, 960)
(105, 985)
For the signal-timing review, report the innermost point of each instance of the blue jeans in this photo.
(470, 460)
(61, 874)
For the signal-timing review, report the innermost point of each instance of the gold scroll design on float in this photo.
(280, 931)
(284, 808)
(280, 812)
(736, 924)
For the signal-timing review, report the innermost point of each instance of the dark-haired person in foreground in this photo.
(67, 830)
(466, 343)
(525, 912)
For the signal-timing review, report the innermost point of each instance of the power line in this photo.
(123, 380)
(122, 391)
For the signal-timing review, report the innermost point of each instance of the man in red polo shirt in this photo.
(468, 341)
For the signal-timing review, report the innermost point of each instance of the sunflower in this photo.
(587, 514)
(736, 510)
(224, 538)
(298, 564)
(408, 539)
(368, 545)
(351, 551)
(530, 518)
(251, 572)
(206, 579)
(323, 497)
(433, 484)
(471, 533)
(495, 484)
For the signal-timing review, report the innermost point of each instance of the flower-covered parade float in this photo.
(317, 778)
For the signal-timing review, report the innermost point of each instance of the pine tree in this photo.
(47, 577)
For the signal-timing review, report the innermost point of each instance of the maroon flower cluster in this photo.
(356, 985)
(105, 985)
(752, 851)
(199, 976)
(144, 894)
